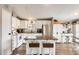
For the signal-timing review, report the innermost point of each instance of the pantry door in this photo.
(6, 31)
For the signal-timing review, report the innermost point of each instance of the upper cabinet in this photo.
(15, 22)
(26, 24)
(22, 24)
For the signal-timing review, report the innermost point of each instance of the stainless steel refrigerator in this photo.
(47, 29)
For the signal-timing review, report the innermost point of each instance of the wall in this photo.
(0, 27)
(6, 31)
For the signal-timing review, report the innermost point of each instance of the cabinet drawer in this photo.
(33, 44)
(48, 45)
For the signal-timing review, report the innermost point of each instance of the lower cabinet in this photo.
(19, 43)
(47, 51)
(48, 48)
(14, 42)
(19, 40)
(42, 47)
(33, 51)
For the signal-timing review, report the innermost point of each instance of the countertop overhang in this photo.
(42, 38)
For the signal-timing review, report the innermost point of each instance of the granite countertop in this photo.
(42, 38)
(30, 33)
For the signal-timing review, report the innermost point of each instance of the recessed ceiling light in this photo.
(76, 14)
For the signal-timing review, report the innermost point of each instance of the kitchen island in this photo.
(44, 45)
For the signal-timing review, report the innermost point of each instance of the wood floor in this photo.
(20, 51)
(61, 49)
(66, 49)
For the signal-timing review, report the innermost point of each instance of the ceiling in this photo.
(62, 12)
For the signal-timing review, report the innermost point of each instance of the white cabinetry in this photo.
(22, 24)
(26, 24)
(15, 22)
(15, 25)
(14, 42)
(40, 50)
(20, 40)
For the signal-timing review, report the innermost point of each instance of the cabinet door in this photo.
(17, 23)
(26, 24)
(6, 32)
(20, 40)
(14, 42)
(13, 22)
(22, 24)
